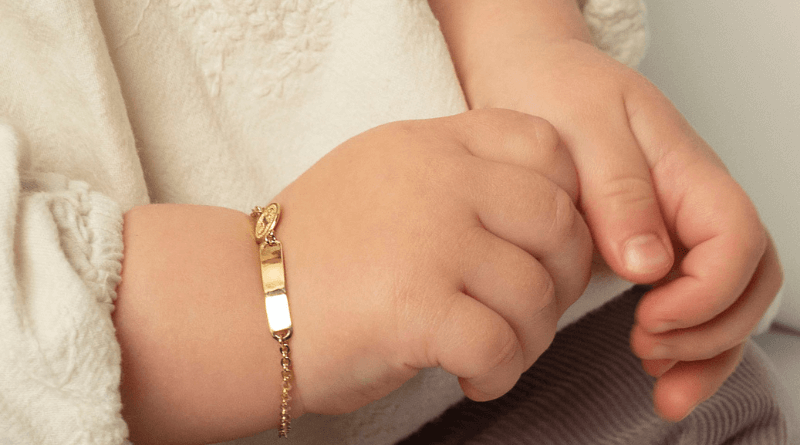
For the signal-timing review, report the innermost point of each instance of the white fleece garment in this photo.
(110, 104)
(59, 265)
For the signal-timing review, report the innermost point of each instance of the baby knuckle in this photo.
(537, 133)
(532, 132)
(546, 318)
(543, 133)
(624, 192)
(500, 349)
(541, 295)
(535, 290)
(541, 143)
(565, 218)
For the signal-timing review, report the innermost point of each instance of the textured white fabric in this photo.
(59, 264)
(118, 103)
(59, 91)
(618, 28)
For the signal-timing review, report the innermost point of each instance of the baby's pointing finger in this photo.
(618, 196)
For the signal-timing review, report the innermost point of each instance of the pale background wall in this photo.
(733, 69)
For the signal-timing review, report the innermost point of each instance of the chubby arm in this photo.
(198, 362)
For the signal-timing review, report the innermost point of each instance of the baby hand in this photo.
(651, 186)
(451, 242)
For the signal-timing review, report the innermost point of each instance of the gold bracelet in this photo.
(276, 302)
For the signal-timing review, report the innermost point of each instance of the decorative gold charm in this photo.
(266, 222)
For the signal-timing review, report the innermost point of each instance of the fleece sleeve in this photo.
(60, 261)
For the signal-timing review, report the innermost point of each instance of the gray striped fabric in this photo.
(588, 388)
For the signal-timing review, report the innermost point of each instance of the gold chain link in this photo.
(286, 373)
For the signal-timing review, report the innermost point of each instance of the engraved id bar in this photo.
(274, 284)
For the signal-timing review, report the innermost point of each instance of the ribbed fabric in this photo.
(588, 388)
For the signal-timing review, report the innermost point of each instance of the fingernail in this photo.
(645, 254)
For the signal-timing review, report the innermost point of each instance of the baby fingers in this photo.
(725, 331)
(725, 240)
(501, 321)
(512, 283)
(476, 344)
(688, 384)
(521, 264)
